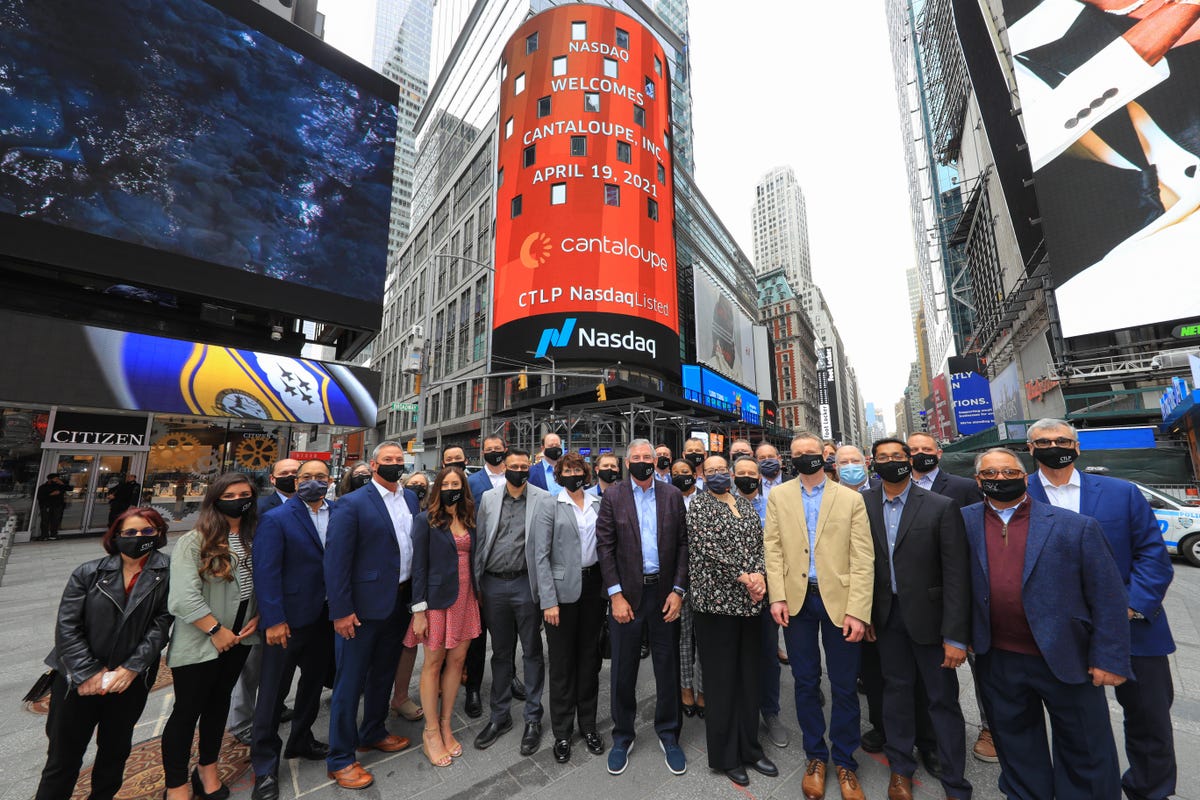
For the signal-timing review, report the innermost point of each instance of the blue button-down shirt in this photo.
(551, 485)
(893, 510)
(1006, 514)
(812, 514)
(926, 480)
(647, 512)
(759, 501)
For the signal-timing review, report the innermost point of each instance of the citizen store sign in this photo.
(96, 431)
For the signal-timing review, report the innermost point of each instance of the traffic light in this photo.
(601, 392)
(523, 381)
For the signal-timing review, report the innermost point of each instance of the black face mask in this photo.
(808, 464)
(641, 470)
(746, 484)
(663, 463)
(1055, 457)
(572, 483)
(451, 497)
(236, 508)
(683, 483)
(516, 478)
(390, 472)
(924, 462)
(695, 459)
(495, 458)
(135, 546)
(419, 491)
(286, 484)
(553, 453)
(1004, 490)
(609, 475)
(456, 465)
(893, 471)
(359, 481)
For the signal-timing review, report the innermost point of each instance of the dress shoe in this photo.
(473, 705)
(562, 750)
(900, 788)
(931, 762)
(311, 751)
(518, 689)
(645, 652)
(813, 786)
(776, 733)
(873, 741)
(266, 787)
(531, 740)
(221, 793)
(765, 766)
(848, 781)
(288, 714)
(985, 748)
(700, 711)
(738, 775)
(352, 777)
(595, 745)
(689, 710)
(491, 732)
(388, 744)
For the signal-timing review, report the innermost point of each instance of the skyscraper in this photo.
(300, 12)
(781, 228)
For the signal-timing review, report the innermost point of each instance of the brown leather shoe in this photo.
(814, 780)
(352, 777)
(900, 788)
(985, 748)
(388, 744)
(849, 783)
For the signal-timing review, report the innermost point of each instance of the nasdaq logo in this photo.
(555, 338)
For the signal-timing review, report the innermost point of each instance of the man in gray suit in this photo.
(508, 523)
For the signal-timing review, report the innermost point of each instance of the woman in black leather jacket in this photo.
(112, 626)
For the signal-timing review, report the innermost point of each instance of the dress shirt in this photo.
(893, 510)
(768, 485)
(320, 519)
(665, 477)
(397, 508)
(812, 515)
(759, 501)
(1005, 514)
(926, 480)
(508, 551)
(585, 518)
(1065, 496)
(647, 513)
(687, 499)
(498, 481)
(551, 485)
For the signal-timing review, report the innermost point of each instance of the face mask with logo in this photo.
(852, 474)
(683, 483)
(553, 453)
(495, 458)
(135, 546)
(516, 477)
(808, 464)
(746, 484)
(1003, 490)
(893, 471)
(609, 475)
(235, 508)
(286, 484)
(359, 481)
(312, 491)
(695, 459)
(390, 472)
(451, 497)
(1055, 457)
(419, 489)
(770, 468)
(719, 483)
(572, 483)
(663, 463)
(641, 470)
(924, 462)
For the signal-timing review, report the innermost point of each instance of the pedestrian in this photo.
(608, 472)
(354, 479)
(51, 500)
(216, 623)
(685, 477)
(123, 496)
(445, 610)
(418, 484)
(112, 624)
(727, 587)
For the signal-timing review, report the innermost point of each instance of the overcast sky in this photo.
(809, 85)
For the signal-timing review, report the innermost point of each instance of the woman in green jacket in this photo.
(216, 622)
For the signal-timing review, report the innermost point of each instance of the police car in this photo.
(1178, 523)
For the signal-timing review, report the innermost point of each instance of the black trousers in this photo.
(69, 727)
(202, 694)
(904, 664)
(477, 655)
(51, 519)
(730, 650)
(574, 669)
(308, 649)
(870, 672)
(1149, 739)
(511, 615)
(626, 643)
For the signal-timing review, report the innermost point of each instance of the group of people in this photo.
(1050, 585)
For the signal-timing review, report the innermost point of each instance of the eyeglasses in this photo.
(884, 459)
(129, 533)
(1009, 474)
(720, 471)
(1061, 441)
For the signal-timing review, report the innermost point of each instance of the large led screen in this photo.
(707, 387)
(1110, 100)
(585, 241)
(241, 167)
(724, 335)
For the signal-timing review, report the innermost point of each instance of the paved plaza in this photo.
(37, 572)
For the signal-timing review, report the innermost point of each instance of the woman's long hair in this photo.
(439, 516)
(216, 559)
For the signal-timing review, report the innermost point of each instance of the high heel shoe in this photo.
(198, 788)
(445, 759)
(456, 750)
(689, 710)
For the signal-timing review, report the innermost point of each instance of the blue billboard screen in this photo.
(707, 387)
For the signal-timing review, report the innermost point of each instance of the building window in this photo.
(559, 66)
(622, 39)
(657, 66)
(612, 194)
(503, 70)
(519, 84)
(624, 153)
(516, 207)
(579, 31)
(639, 115)
(508, 127)
(558, 194)
(649, 85)
(591, 101)
(544, 106)
(579, 145)
(499, 177)
(652, 208)
(662, 174)
(610, 68)
(531, 43)
(530, 155)
(667, 139)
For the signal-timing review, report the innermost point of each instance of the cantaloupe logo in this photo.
(535, 250)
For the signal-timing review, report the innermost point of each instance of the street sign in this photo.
(418, 447)
(397, 406)
(310, 455)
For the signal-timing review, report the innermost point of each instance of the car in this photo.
(1178, 522)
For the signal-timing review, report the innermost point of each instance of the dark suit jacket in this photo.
(435, 565)
(1137, 546)
(537, 474)
(479, 483)
(1073, 594)
(289, 566)
(271, 502)
(362, 556)
(619, 540)
(932, 567)
(963, 491)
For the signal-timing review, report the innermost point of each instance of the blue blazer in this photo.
(1137, 545)
(478, 483)
(435, 565)
(1071, 590)
(362, 556)
(537, 474)
(271, 502)
(289, 573)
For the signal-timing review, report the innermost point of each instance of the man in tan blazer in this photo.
(820, 575)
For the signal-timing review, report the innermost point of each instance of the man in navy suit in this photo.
(289, 582)
(541, 474)
(1050, 631)
(368, 571)
(481, 482)
(283, 478)
(492, 474)
(1132, 531)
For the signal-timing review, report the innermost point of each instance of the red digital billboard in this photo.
(585, 244)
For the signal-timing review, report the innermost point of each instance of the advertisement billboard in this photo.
(724, 335)
(209, 148)
(827, 406)
(1109, 99)
(1007, 395)
(136, 372)
(585, 244)
(941, 417)
(705, 386)
(970, 395)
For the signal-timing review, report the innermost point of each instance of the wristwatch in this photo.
(213, 630)
(682, 594)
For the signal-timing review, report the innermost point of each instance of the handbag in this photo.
(41, 687)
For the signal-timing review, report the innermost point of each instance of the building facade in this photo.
(780, 226)
(793, 351)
